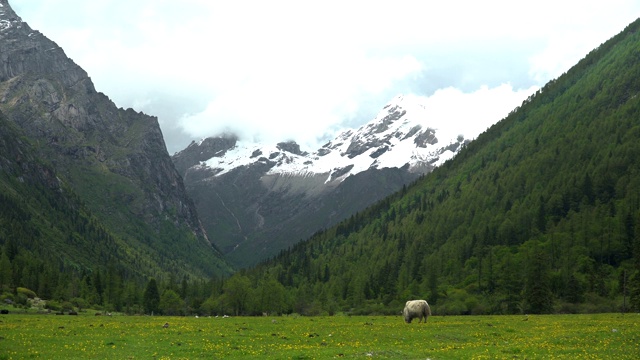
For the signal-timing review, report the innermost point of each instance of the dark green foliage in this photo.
(52, 243)
(86, 186)
(540, 214)
(237, 290)
(634, 278)
(151, 297)
(537, 215)
(170, 303)
(537, 288)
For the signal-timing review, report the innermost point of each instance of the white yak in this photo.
(416, 309)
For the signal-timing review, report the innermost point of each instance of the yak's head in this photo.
(407, 318)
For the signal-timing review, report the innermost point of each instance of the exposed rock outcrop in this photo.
(116, 159)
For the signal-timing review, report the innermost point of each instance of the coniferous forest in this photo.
(540, 214)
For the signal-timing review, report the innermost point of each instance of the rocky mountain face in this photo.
(114, 159)
(259, 199)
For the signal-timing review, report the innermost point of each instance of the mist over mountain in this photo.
(261, 198)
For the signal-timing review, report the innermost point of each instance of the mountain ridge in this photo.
(114, 159)
(540, 214)
(261, 198)
(379, 138)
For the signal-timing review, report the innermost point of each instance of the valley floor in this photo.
(597, 336)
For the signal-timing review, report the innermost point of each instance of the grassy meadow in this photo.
(600, 336)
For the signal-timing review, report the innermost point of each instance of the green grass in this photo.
(601, 336)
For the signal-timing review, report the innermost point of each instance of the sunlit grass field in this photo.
(601, 336)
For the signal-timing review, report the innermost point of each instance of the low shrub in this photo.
(53, 305)
(27, 292)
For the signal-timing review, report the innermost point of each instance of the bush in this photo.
(171, 303)
(473, 305)
(80, 303)
(566, 308)
(28, 293)
(134, 310)
(312, 309)
(595, 304)
(396, 307)
(21, 299)
(5, 296)
(455, 307)
(66, 306)
(53, 305)
(209, 306)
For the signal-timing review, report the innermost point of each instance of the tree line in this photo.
(540, 214)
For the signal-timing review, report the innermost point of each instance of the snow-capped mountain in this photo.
(257, 199)
(399, 136)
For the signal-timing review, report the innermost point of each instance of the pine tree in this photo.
(97, 283)
(432, 281)
(151, 297)
(537, 291)
(6, 273)
(634, 279)
(114, 288)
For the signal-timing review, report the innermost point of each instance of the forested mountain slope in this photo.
(45, 229)
(539, 214)
(86, 187)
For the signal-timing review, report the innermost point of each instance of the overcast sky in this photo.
(300, 70)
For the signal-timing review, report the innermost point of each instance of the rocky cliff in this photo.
(114, 159)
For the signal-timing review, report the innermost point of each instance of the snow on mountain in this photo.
(400, 135)
(8, 18)
(261, 198)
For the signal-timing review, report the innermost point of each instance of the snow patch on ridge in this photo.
(401, 134)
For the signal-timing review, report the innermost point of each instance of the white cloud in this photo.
(472, 113)
(291, 69)
(299, 98)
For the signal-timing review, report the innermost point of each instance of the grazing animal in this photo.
(416, 309)
(166, 325)
(4, 311)
(73, 312)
